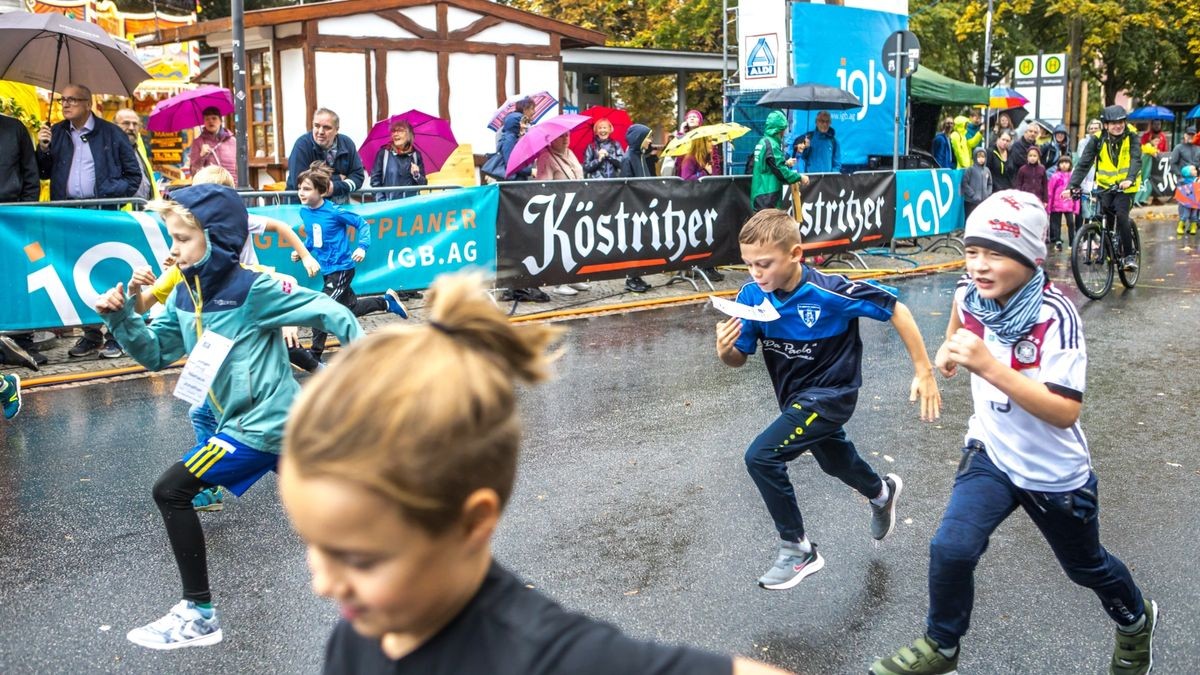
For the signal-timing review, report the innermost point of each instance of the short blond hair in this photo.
(424, 415)
(771, 227)
(214, 173)
(166, 207)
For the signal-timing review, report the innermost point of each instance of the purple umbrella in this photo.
(186, 110)
(542, 102)
(432, 138)
(538, 138)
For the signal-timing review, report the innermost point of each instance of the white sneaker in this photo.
(581, 286)
(183, 626)
(564, 290)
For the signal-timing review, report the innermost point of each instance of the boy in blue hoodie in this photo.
(227, 319)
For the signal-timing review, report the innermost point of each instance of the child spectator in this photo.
(976, 181)
(249, 382)
(814, 356)
(326, 225)
(1031, 177)
(1189, 205)
(1060, 207)
(1022, 342)
(697, 163)
(399, 461)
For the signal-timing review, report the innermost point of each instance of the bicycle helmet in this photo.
(1113, 113)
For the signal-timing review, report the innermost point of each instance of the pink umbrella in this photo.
(432, 138)
(186, 110)
(538, 138)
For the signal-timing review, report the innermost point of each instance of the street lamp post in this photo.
(987, 66)
(237, 11)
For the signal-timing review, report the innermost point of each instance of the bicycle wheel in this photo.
(1091, 263)
(1129, 277)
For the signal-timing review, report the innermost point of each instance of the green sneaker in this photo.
(209, 499)
(922, 658)
(1134, 654)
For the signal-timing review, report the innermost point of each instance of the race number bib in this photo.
(202, 366)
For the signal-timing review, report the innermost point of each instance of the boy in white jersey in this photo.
(1022, 342)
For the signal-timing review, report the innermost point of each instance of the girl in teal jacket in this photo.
(235, 316)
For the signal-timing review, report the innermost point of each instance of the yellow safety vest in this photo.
(1109, 174)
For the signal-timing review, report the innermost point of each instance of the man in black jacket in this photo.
(18, 166)
(18, 183)
(325, 144)
(86, 157)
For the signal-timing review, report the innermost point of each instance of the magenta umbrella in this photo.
(432, 138)
(186, 109)
(538, 138)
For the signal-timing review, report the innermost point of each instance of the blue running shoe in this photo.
(186, 625)
(394, 305)
(209, 499)
(12, 396)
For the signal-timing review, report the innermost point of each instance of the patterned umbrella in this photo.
(1003, 98)
(584, 135)
(186, 109)
(542, 102)
(538, 138)
(715, 133)
(432, 138)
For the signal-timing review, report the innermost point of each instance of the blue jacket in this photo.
(393, 168)
(510, 133)
(943, 154)
(332, 248)
(346, 162)
(823, 154)
(118, 173)
(254, 387)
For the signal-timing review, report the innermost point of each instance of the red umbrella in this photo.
(583, 136)
(186, 109)
(432, 138)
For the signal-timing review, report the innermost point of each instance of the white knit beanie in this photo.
(1012, 222)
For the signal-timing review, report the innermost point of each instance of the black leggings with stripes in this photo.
(337, 286)
(173, 494)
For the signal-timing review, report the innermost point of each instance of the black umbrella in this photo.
(49, 49)
(810, 96)
(1017, 115)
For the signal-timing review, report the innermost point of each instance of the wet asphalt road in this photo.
(633, 505)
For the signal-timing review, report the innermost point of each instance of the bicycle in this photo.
(1094, 256)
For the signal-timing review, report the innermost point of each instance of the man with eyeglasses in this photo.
(86, 157)
(131, 123)
(325, 144)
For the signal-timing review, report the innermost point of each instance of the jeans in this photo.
(204, 422)
(983, 497)
(796, 431)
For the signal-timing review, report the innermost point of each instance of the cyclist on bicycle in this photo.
(1118, 158)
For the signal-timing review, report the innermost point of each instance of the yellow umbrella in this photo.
(715, 133)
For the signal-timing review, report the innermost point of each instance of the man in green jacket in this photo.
(772, 170)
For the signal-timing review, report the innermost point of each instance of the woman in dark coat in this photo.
(398, 163)
(1000, 165)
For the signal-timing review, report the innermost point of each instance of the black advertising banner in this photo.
(845, 213)
(564, 232)
(1162, 181)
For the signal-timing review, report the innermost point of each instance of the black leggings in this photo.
(173, 494)
(1116, 204)
(1056, 220)
(337, 286)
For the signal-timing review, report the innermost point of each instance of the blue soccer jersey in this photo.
(813, 351)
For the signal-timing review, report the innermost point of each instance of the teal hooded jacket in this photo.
(771, 171)
(254, 387)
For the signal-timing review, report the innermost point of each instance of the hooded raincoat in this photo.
(770, 172)
(254, 386)
(961, 145)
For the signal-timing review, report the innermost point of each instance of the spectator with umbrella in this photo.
(511, 131)
(86, 157)
(771, 170)
(823, 154)
(214, 145)
(599, 144)
(557, 162)
(697, 163)
(399, 163)
(203, 107)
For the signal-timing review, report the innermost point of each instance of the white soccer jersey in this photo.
(1035, 455)
(255, 225)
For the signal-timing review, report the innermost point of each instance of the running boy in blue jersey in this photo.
(814, 356)
(229, 317)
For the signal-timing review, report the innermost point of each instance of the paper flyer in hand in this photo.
(763, 312)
